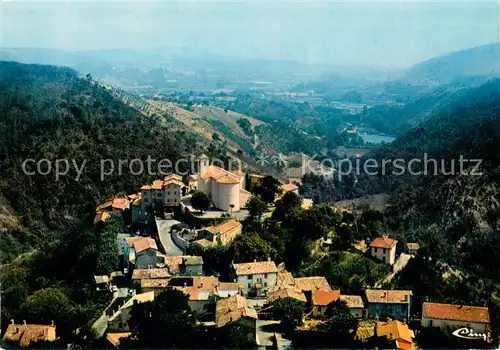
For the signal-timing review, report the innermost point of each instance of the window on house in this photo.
(265, 275)
(265, 284)
(249, 277)
(249, 285)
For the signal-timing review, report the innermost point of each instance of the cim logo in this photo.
(466, 333)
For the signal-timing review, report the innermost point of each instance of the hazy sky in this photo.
(394, 34)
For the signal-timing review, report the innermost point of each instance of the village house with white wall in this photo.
(256, 277)
(384, 249)
(455, 316)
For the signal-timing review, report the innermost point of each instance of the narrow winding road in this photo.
(168, 244)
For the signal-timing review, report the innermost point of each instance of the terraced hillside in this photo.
(209, 121)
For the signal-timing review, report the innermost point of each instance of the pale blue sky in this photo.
(392, 34)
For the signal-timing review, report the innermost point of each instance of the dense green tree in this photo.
(166, 322)
(267, 189)
(245, 126)
(108, 255)
(340, 324)
(285, 207)
(249, 247)
(200, 201)
(51, 305)
(289, 311)
(256, 207)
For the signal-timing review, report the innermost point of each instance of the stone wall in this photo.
(180, 242)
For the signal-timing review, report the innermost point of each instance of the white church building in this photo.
(226, 189)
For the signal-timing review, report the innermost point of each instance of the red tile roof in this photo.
(173, 182)
(160, 273)
(383, 242)
(232, 309)
(287, 292)
(388, 296)
(456, 312)
(104, 206)
(144, 243)
(220, 175)
(28, 334)
(227, 231)
(157, 185)
(257, 267)
(312, 283)
(120, 203)
(173, 177)
(324, 297)
(394, 330)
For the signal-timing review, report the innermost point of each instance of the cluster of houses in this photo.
(226, 190)
(257, 280)
(264, 281)
(147, 271)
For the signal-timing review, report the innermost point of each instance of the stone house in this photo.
(236, 309)
(287, 292)
(321, 299)
(221, 234)
(355, 304)
(389, 303)
(184, 265)
(28, 335)
(256, 277)
(145, 251)
(227, 289)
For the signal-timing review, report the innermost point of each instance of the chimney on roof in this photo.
(254, 260)
(24, 322)
(268, 258)
(52, 323)
(12, 321)
(185, 284)
(232, 262)
(406, 298)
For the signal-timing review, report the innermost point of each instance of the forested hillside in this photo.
(50, 113)
(478, 61)
(463, 207)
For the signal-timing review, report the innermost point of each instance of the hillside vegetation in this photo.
(464, 208)
(50, 113)
(478, 61)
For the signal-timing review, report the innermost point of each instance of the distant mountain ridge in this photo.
(477, 61)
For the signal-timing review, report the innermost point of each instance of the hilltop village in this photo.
(168, 227)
